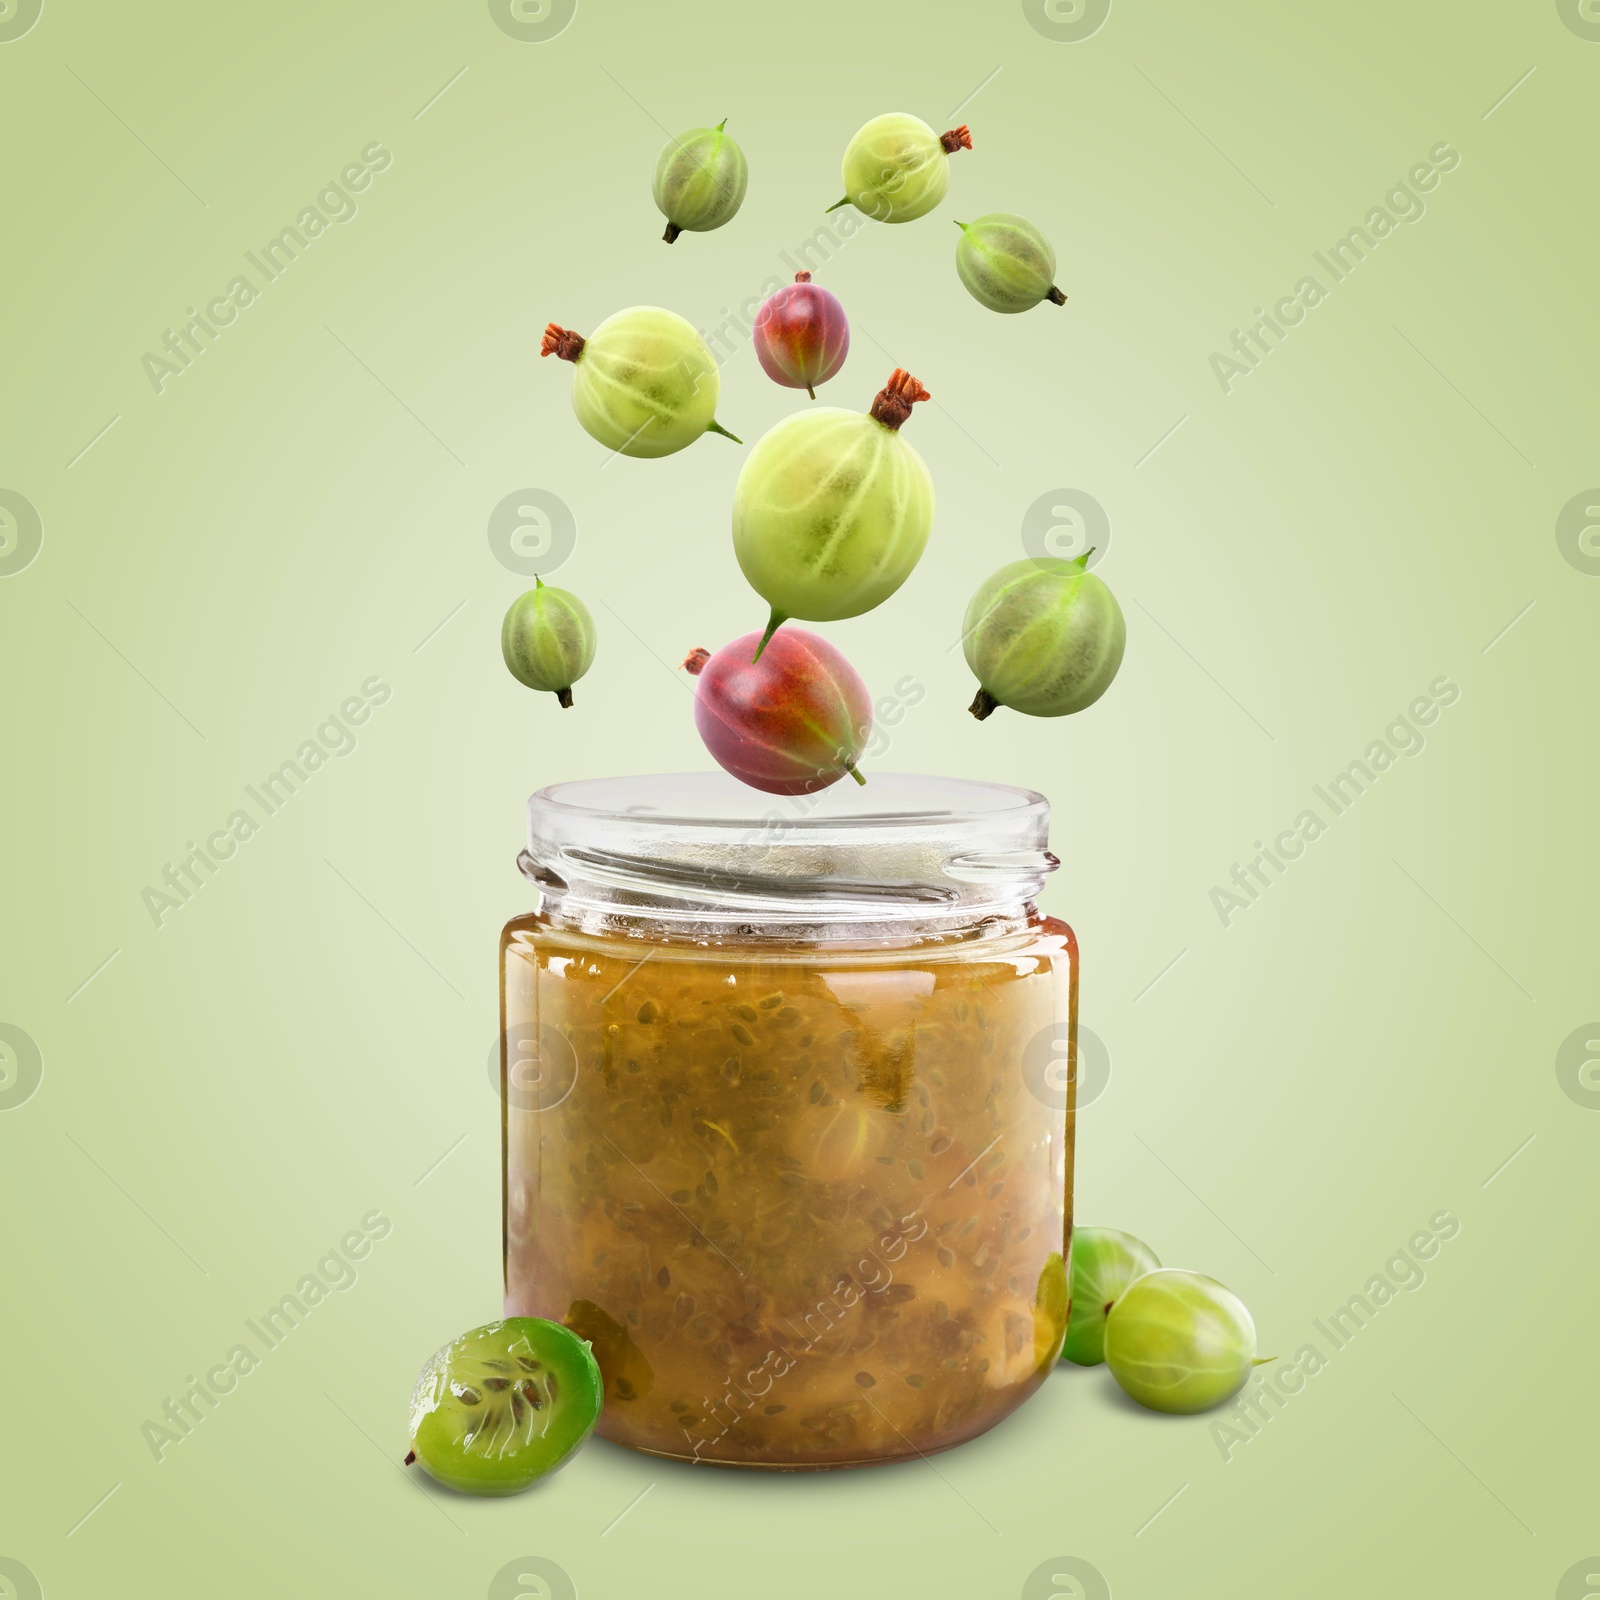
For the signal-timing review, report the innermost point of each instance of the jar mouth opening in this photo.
(705, 847)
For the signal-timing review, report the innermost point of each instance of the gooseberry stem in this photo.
(564, 698)
(777, 621)
(1261, 1361)
(713, 426)
(836, 204)
(1055, 296)
(671, 235)
(849, 767)
(983, 704)
(810, 391)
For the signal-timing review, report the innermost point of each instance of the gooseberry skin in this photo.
(794, 723)
(801, 335)
(1180, 1342)
(1044, 637)
(548, 640)
(897, 168)
(700, 181)
(1104, 1263)
(644, 382)
(1006, 263)
(833, 508)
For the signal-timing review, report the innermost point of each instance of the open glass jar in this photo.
(788, 1110)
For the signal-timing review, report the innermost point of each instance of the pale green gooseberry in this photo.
(644, 383)
(700, 180)
(1178, 1341)
(1044, 637)
(1006, 263)
(1104, 1263)
(897, 168)
(547, 640)
(833, 509)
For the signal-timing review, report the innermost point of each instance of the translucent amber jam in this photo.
(809, 1199)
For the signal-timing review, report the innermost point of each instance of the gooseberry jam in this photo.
(787, 1094)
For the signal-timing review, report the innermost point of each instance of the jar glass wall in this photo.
(788, 1111)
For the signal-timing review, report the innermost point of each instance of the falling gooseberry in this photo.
(1006, 263)
(700, 181)
(644, 382)
(833, 508)
(547, 640)
(801, 335)
(792, 723)
(1044, 637)
(897, 168)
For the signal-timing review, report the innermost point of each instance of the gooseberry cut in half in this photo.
(833, 508)
(1104, 1263)
(1178, 1341)
(700, 180)
(897, 168)
(1006, 263)
(801, 335)
(498, 1408)
(643, 383)
(1044, 637)
(794, 722)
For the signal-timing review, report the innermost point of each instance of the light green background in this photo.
(307, 1040)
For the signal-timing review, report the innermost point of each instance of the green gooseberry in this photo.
(833, 508)
(1104, 1263)
(547, 640)
(897, 168)
(1006, 263)
(644, 382)
(1044, 637)
(1178, 1341)
(495, 1410)
(700, 181)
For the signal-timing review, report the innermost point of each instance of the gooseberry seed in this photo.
(1044, 637)
(794, 723)
(833, 509)
(801, 335)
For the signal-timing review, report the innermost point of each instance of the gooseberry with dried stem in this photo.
(897, 168)
(792, 723)
(801, 335)
(833, 508)
(644, 382)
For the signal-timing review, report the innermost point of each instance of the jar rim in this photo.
(703, 845)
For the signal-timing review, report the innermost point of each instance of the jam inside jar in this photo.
(787, 1092)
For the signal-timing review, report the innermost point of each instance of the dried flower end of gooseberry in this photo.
(956, 139)
(895, 399)
(562, 342)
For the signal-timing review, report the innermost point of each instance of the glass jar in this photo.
(787, 1093)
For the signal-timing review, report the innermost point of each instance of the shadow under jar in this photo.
(787, 1093)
